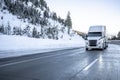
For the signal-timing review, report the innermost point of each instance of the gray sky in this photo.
(85, 13)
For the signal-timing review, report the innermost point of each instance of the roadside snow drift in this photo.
(11, 46)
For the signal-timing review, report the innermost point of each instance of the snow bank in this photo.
(11, 46)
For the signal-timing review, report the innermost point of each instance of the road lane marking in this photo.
(30, 60)
(90, 65)
(24, 61)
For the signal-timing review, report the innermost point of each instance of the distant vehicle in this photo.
(96, 38)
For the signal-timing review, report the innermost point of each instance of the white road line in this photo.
(29, 60)
(4, 65)
(90, 65)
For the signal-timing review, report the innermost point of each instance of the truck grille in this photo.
(92, 42)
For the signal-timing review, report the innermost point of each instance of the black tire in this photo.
(106, 45)
(86, 49)
(103, 47)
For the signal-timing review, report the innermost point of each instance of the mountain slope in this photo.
(32, 18)
(22, 21)
(26, 17)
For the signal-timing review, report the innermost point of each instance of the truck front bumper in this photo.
(100, 46)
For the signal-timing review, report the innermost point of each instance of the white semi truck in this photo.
(96, 38)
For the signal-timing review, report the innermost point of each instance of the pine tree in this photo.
(19, 31)
(2, 28)
(34, 33)
(114, 38)
(14, 30)
(118, 35)
(36, 3)
(8, 28)
(54, 16)
(1, 17)
(26, 31)
(46, 14)
(43, 3)
(68, 22)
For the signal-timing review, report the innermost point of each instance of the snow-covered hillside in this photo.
(30, 26)
(14, 22)
(33, 19)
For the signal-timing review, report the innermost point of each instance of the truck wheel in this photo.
(86, 49)
(105, 46)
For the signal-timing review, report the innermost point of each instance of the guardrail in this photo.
(114, 42)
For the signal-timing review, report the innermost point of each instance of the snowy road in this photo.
(70, 64)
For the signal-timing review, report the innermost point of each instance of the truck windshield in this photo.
(94, 34)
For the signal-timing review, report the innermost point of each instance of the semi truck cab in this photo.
(96, 38)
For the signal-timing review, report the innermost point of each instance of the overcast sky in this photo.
(85, 13)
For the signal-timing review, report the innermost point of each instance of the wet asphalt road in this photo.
(71, 64)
